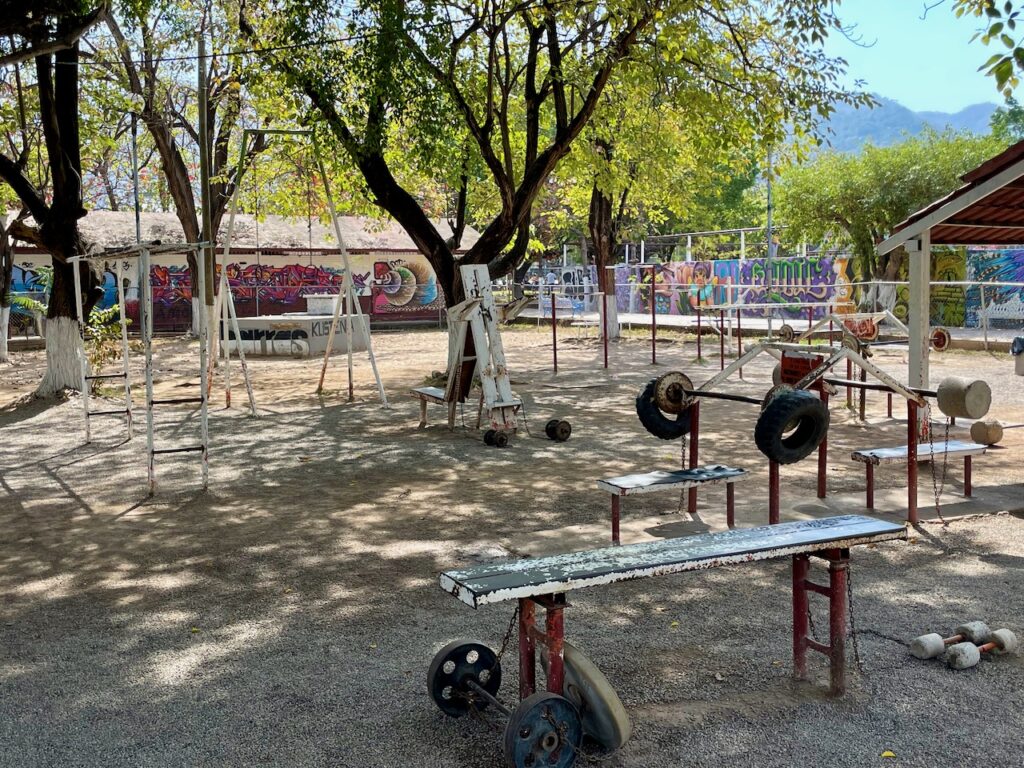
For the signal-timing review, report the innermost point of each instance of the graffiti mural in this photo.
(947, 301)
(405, 287)
(684, 287)
(1003, 305)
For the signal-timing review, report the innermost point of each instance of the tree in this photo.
(521, 79)
(1007, 122)
(856, 199)
(999, 21)
(48, 33)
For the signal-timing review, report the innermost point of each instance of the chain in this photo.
(684, 442)
(505, 640)
(937, 486)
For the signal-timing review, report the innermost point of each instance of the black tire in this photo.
(656, 422)
(500, 439)
(791, 427)
(489, 436)
(549, 428)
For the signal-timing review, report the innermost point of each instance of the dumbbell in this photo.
(966, 655)
(930, 646)
(558, 430)
(496, 437)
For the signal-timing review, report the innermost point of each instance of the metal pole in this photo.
(209, 258)
(604, 326)
(83, 364)
(699, 329)
(654, 323)
(739, 339)
(691, 501)
(554, 333)
(912, 433)
(984, 315)
(204, 332)
(721, 339)
(771, 247)
(146, 323)
(124, 348)
(823, 452)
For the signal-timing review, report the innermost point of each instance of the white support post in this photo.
(146, 323)
(124, 346)
(82, 362)
(689, 248)
(984, 315)
(204, 332)
(743, 245)
(920, 269)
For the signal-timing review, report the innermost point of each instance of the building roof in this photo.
(988, 209)
(112, 229)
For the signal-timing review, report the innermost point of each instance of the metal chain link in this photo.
(852, 631)
(937, 486)
(683, 442)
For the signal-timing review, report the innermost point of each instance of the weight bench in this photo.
(464, 676)
(433, 395)
(923, 452)
(680, 479)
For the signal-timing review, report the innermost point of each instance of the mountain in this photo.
(888, 123)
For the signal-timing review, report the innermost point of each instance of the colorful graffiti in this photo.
(684, 287)
(1003, 305)
(405, 287)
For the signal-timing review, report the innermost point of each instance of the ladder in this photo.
(87, 377)
(474, 346)
(146, 321)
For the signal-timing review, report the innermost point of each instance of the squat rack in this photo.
(142, 252)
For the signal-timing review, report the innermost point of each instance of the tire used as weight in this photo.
(655, 421)
(791, 427)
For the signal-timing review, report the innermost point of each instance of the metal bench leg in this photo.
(527, 650)
(423, 414)
(837, 574)
(554, 625)
(691, 501)
(730, 505)
(801, 628)
(773, 493)
(869, 485)
(615, 518)
(967, 476)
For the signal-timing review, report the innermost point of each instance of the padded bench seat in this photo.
(925, 452)
(679, 479)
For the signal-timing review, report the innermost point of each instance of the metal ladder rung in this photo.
(105, 376)
(177, 400)
(116, 411)
(186, 449)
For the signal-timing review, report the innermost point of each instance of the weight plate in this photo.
(489, 436)
(450, 670)
(670, 392)
(605, 720)
(549, 428)
(500, 439)
(940, 339)
(562, 431)
(786, 332)
(851, 342)
(544, 730)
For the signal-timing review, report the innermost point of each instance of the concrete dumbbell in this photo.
(933, 645)
(966, 655)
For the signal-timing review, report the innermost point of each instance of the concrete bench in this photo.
(546, 581)
(680, 479)
(924, 452)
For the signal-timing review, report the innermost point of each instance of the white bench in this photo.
(474, 681)
(432, 395)
(925, 452)
(680, 479)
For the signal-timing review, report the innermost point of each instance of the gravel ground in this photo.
(287, 616)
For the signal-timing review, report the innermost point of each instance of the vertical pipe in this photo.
(912, 434)
(801, 567)
(773, 493)
(691, 501)
(604, 326)
(654, 323)
(616, 510)
(527, 650)
(83, 365)
(849, 376)
(554, 626)
(869, 485)
(146, 328)
(124, 349)
(830, 314)
(888, 405)
(699, 355)
(730, 505)
(739, 340)
(823, 454)
(837, 622)
(984, 315)
(721, 340)
(204, 333)
(863, 394)
(810, 318)
(967, 476)
(554, 333)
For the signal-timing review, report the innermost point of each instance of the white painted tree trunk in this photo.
(5, 321)
(611, 318)
(63, 344)
(197, 307)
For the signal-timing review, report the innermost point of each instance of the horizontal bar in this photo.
(878, 386)
(722, 396)
(819, 647)
(105, 376)
(474, 686)
(118, 412)
(176, 400)
(187, 449)
(810, 585)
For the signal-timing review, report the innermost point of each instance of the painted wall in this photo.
(1004, 307)
(681, 288)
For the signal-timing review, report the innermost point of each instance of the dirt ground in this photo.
(287, 615)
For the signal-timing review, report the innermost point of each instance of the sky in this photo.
(925, 63)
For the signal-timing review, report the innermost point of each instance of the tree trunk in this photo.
(602, 233)
(63, 336)
(6, 280)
